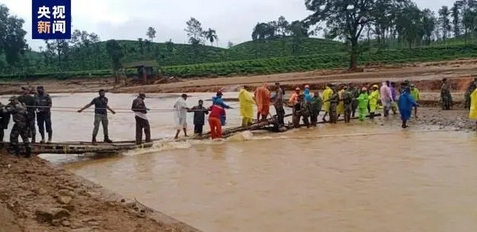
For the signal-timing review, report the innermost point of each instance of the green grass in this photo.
(289, 63)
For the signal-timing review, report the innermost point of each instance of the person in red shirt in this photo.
(216, 113)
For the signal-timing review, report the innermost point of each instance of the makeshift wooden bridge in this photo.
(77, 147)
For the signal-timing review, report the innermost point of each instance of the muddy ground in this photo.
(38, 197)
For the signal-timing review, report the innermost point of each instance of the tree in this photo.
(428, 24)
(115, 52)
(444, 22)
(211, 36)
(151, 33)
(194, 31)
(456, 19)
(344, 19)
(409, 25)
(283, 26)
(230, 44)
(12, 37)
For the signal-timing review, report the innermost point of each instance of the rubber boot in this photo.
(93, 140)
(50, 135)
(107, 140)
(15, 149)
(33, 139)
(42, 137)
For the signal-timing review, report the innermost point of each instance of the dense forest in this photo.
(355, 32)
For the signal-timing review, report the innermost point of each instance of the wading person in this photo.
(326, 103)
(29, 101)
(363, 103)
(340, 107)
(246, 107)
(470, 89)
(394, 97)
(473, 106)
(334, 99)
(216, 112)
(347, 104)
(304, 112)
(373, 101)
(43, 113)
(316, 104)
(180, 115)
(140, 115)
(262, 98)
(19, 113)
(386, 98)
(217, 100)
(446, 97)
(354, 104)
(405, 104)
(100, 115)
(278, 104)
(199, 117)
(416, 97)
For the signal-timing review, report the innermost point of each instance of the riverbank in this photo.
(426, 76)
(36, 196)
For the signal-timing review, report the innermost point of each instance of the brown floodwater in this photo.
(359, 177)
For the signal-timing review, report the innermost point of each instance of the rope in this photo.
(129, 110)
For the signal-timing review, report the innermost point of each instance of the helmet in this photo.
(297, 89)
(375, 86)
(307, 86)
(364, 89)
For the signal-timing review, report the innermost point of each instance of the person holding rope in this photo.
(142, 123)
(29, 101)
(100, 115)
(19, 113)
(43, 113)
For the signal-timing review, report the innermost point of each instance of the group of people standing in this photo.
(24, 109)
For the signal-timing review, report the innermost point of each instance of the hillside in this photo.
(95, 57)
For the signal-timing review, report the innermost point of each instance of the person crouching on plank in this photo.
(405, 104)
(216, 113)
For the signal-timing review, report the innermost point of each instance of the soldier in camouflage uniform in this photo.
(354, 103)
(468, 92)
(20, 117)
(305, 111)
(334, 99)
(446, 97)
(348, 104)
(30, 103)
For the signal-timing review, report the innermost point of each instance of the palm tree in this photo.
(211, 35)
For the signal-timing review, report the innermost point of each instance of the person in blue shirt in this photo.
(217, 100)
(406, 104)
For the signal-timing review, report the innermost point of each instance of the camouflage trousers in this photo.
(19, 130)
(446, 102)
(333, 113)
(347, 112)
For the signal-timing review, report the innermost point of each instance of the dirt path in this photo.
(426, 75)
(38, 197)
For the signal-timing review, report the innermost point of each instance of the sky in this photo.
(129, 19)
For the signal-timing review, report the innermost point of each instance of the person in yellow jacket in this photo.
(473, 106)
(340, 108)
(326, 105)
(246, 107)
(415, 96)
(373, 101)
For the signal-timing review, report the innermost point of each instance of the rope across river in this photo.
(117, 110)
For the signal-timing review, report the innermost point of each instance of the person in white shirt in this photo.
(180, 115)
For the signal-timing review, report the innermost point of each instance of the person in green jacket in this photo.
(316, 104)
(363, 100)
(415, 95)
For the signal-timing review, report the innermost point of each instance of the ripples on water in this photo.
(358, 177)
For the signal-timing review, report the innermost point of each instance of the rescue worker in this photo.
(473, 106)
(326, 103)
(19, 113)
(394, 97)
(262, 99)
(29, 101)
(305, 110)
(294, 97)
(142, 123)
(386, 98)
(316, 104)
(470, 89)
(340, 107)
(307, 94)
(334, 99)
(416, 97)
(347, 97)
(354, 104)
(43, 113)
(296, 114)
(216, 113)
(405, 104)
(278, 104)
(217, 100)
(4, 121)
(363, 100)
(446, 96)
(199, 117)
(101, 108)
(373, 101)
(246, 107)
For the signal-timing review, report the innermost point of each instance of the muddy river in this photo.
(358, 177)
